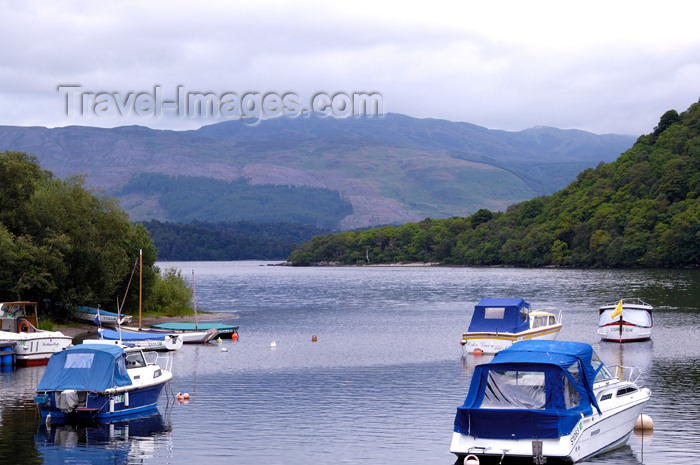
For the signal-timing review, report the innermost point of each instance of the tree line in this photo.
(642, 210)
(241, 240)
(62, 243)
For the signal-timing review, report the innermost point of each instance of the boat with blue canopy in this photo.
(547, 399)
(98, 382)
(150, 341)
(498, 323)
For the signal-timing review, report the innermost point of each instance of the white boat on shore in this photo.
(19, 322)
(499, 323)
(547, 400)
(99, 316)
(188, 337)
(626, 321)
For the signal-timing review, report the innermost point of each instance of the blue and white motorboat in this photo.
(547, 399)
(148, 341)
(499, 323)
(100, 382)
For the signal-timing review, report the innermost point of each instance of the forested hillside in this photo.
(190, 198)
(391, 169)
(243, 240)
(641, 210)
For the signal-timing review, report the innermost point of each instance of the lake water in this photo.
(382, 383)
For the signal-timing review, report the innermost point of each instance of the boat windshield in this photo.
(515, 390)
(603, 373)
(135, 360)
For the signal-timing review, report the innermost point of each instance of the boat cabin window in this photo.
(78, 360)
(572, 398)
(135, 360)
(606, 396)
(627, 390)
(494, 313)
(541, 321)
(515, 390)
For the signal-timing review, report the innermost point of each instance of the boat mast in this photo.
(194, 296)
(140, 282)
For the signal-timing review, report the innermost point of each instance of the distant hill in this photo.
(389, 169)
(642, 210)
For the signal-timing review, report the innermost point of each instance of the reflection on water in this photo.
(384, 379)
(121, 442)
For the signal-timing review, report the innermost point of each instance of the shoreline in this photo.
(79, 329)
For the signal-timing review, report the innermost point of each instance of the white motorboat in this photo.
(626, 321)
(499, 323)
(99, 316)
(547, 399)
(32, 346)
(188, 337)
(149, 341)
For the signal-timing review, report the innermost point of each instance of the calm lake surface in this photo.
(382, 383)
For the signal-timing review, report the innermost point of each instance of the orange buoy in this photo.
(478, 351)
(314, 338)
(234, 336)
(644, 423)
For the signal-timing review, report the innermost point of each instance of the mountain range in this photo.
(366, 171)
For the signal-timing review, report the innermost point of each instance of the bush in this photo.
(171, 295)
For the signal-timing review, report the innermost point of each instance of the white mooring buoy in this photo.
(644, 423)
(273, 344)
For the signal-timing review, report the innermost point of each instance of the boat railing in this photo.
(631, 374)
(632, 301)
(163, 360)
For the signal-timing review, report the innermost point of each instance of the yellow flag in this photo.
(617, 311)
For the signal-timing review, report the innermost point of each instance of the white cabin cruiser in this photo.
(499, 323)
(546, 399)
(626, 321)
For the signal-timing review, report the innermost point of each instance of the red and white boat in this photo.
(626, 321)
(32, 346)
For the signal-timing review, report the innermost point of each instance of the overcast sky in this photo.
(605, 67)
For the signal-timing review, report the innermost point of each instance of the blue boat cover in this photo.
(85, 367)
(533, 389)
(129, 336)
(500, 315)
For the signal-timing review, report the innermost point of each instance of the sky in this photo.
(604, 67)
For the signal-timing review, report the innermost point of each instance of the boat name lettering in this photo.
(576, 433)
(595, 432)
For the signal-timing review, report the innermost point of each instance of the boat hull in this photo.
(34, 349)
(593, 435)
(492, 342)
(101, 406)
(628, 333)
(188, 337)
